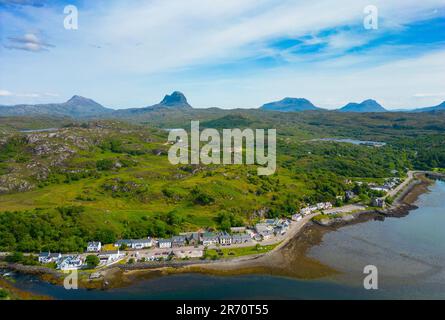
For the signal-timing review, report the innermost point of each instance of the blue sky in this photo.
(223, 53)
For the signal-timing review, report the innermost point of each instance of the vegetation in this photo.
(18, 257)
(237, 252)
(106, 180)
(92, 261)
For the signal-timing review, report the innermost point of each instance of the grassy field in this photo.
(238, 252)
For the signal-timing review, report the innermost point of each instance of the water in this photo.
(356, 142)
(38, 130)
(409, 253)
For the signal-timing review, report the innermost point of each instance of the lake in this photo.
(409, 253)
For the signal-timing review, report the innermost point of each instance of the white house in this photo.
(225, 239)
(48, 257)
(137, 244)
(297, 217)
(94, 246)
(109, 256)
(165, 243)
(70, 263)
(209, 238)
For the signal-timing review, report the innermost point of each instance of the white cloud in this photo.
(28, 42)
(5, 93)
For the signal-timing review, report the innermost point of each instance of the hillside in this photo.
(104, 180)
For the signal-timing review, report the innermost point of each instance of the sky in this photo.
(223, 53)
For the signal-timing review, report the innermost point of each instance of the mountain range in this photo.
(80, 107)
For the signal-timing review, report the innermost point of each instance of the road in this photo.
(401, 186)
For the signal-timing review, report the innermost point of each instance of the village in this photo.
(183, 246)
(192, 245)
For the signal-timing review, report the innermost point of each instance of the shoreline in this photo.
(289, 258)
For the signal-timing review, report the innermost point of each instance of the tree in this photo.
(15, 257)
(92, 261)
(3, 294)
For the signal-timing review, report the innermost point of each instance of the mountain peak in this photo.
(290, 104)
(176, 99)
(79, 100)
(368, 105)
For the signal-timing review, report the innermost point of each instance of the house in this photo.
(164, 243)
(94, 246)
(297, 217)
(323, 206)
(225, 239)
(192, 238)
(271, 222)
(313, 208)
(281, 228)
(305, 211)
(261, 227)
(69, 263)
(48, 257)
(142, 243)
(135, 243)
(109, 256)
(178, 241)
(238, 229)
(266, 234)
(241, 238)
(378, 202)
(209, 238)
(349, 195)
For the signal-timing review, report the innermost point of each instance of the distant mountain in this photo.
(289, 105)
(80, 107)
(173, 102)
(176, 100)
(365, 106)
(440, 107)
(76, 107)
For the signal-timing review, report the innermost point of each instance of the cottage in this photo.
(69, 263)
(271, 221)
(297, 217)
(193, 238)
(349, 195)
(94, 246)
(109, 256)
(209, 238)
(225, 239)
(378, 202)
(241, 238)
(142, 243)
(266, 234)
(135, 244)
(164, 243)
(261, 227)
(48, 257)
(178, 241)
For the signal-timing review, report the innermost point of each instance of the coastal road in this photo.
(401, 186)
